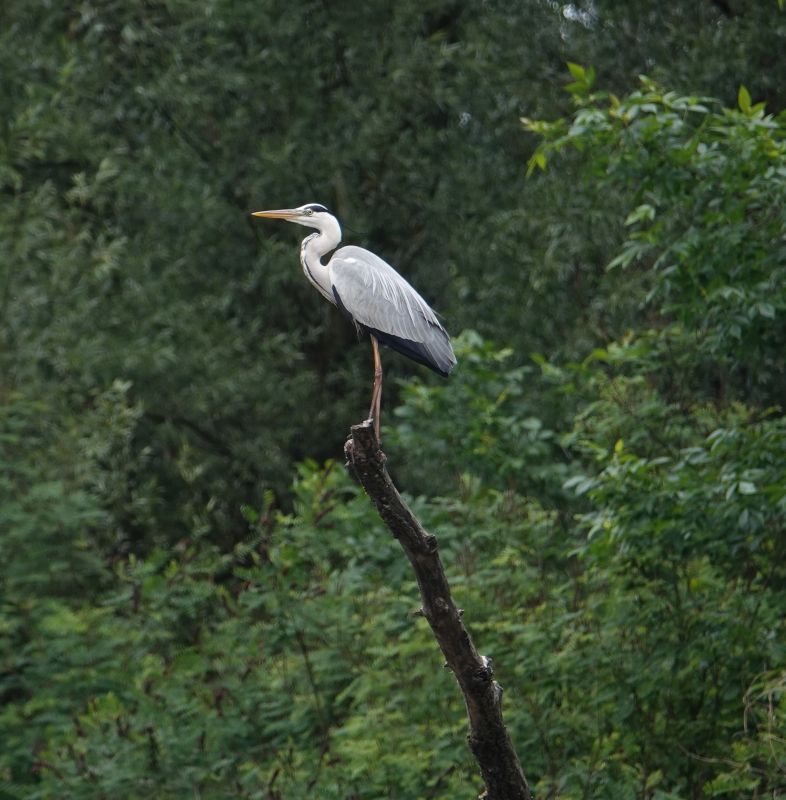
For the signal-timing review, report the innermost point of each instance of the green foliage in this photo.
(625, 644)
(683, 444)
(253, 671)
(760, 755)
(133, 150)
(178, 615)
(483, 423)
(136, 141)
(710, 203)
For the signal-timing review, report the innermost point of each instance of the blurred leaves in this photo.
(195, 598)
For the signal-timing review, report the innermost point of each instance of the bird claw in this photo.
(372, 424)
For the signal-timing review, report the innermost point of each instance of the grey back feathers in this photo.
(375, 296)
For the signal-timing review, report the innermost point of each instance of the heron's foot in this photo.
(371, 422)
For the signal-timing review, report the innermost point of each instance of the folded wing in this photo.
(377, 298)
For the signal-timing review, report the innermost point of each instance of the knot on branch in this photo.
(441, 605)
(498, 690)
(483, 674)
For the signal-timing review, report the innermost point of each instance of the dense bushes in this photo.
(194, 599)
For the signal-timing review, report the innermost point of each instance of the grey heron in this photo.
(372, 294)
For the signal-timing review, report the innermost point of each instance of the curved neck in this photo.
(311, 252)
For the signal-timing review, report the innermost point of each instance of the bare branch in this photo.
(488, 738)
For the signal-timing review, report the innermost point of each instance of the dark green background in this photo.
(193, 604)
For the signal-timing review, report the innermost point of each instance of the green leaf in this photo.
(744, 100)
(642, 212)
(537, 161)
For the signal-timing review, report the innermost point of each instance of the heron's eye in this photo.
(309, 212)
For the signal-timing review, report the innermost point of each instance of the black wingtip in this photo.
(442, 362)
(417, 352)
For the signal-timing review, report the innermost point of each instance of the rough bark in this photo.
(488, 738)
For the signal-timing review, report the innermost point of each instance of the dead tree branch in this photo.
(488, 738)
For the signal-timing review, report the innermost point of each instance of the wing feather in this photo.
(379, 299)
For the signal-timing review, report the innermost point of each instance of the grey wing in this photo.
(375, 296)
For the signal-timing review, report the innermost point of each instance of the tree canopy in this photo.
(195, 598)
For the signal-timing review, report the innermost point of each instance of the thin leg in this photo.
(375, 356)
(376, 392)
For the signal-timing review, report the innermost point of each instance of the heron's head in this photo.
(312, 215)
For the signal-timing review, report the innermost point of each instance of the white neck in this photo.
(312, 250)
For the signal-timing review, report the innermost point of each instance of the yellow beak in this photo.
(283, 213)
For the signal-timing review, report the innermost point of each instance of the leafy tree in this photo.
(611, 506)
(683, 438)
(137, 139)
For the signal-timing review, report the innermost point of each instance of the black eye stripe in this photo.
(315, 207)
